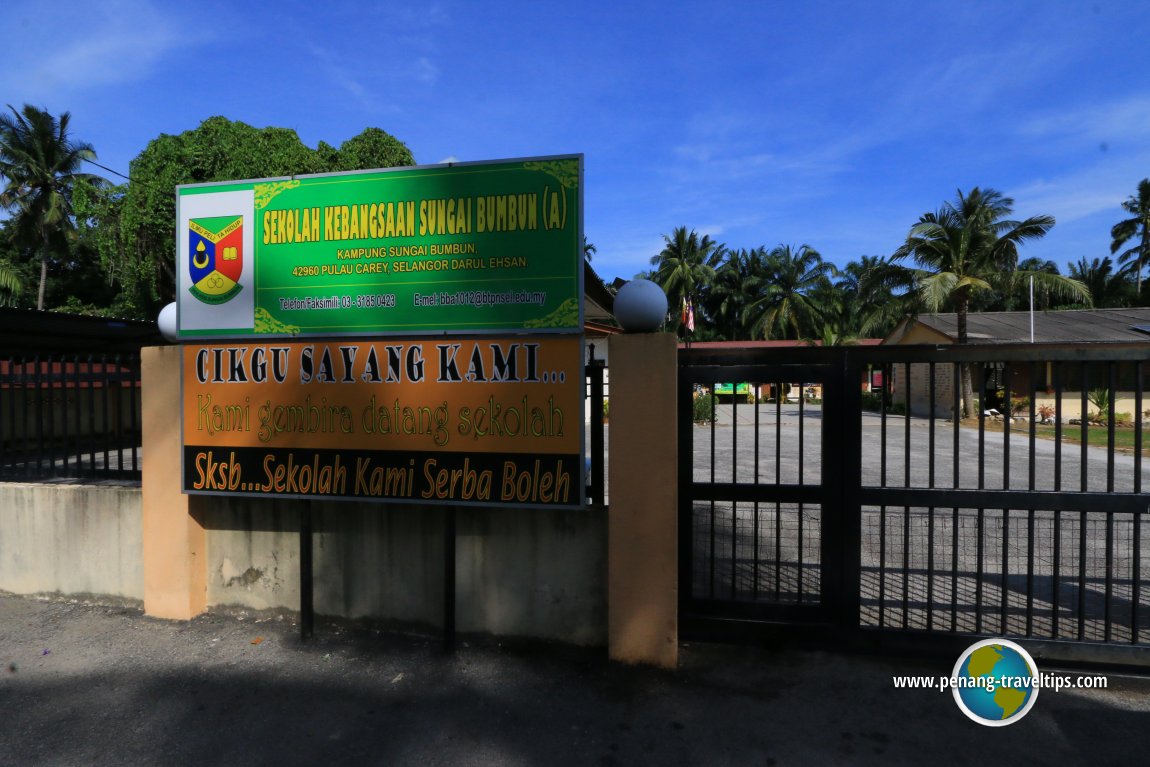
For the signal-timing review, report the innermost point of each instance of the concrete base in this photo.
(642, 541)
(175, 565)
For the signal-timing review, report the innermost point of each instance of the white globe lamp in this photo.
(167, 322)
(640, 306)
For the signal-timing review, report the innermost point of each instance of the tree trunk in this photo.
(1143, 254)
(964, 368)
(43, 278)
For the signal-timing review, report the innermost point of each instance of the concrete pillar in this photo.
(642, 537)
(175, 569)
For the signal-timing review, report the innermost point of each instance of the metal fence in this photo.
(810, 498)
(70, 416)
(596, 393)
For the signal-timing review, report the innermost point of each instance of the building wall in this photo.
(71, 539)
(535, 573)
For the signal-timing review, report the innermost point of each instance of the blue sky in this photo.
(834, 124)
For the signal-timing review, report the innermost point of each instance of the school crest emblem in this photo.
(216, 257)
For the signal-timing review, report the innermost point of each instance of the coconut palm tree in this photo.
(685, 266)
(40, 163)
(969, 245)
(786, 307)
(10, 286)
(1137, 226)
(736, 283)
(1107, 288)
(877, 292)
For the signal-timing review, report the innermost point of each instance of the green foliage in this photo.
(872, 401)
(142, 257)
(40, 163)
(10, 285)
(788, 307)
(703, 408)
(1100, 399)
(1137, 227)
(684, 268)
(1019, 405)
(1123, 419)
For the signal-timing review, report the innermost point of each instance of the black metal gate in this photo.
(877, 516)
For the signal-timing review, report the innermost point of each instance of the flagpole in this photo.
(1032, 308)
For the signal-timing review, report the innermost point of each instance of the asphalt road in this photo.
(87, 684)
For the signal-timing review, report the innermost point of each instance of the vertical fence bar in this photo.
(61, 381)
(1057, 426)
(117, 407)
(1007, 422)
(954, 568)
(887, 369)
(598, 433)
(137, 435)
(957, 421)
(1112, 395)
(1082, 575)
(91, 408)
(1137, 427)
(931, 420)
(906, 431)
(1136, 577)
(778, 481)
(1005, 568)
(978, 572)
(1057, 574)
(1033, 435)
(1084, 429)
(982, 439)
(882, 566)
(755, 549)
(1030, 572)
(802, 447)
(7, 428)
(714, 408)
(106, 386)
(78, 443)
(734, 478)
(906, 509)
(1112, 388)
(38, 383)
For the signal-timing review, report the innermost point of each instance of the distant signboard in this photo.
(467, 248)
(493, 421)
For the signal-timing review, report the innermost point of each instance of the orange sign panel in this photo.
(487, 421)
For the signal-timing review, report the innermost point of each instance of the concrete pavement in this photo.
(90, 684)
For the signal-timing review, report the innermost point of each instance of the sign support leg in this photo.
(449, 580)
(306, 582)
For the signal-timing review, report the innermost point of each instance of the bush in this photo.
(897, 408)
(1019, 405)
(872, 401)
(703, 408)
(1099, 398)
(1123, 419)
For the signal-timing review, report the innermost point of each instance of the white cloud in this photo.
(116, 42)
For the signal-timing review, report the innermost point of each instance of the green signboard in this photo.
(484, 247)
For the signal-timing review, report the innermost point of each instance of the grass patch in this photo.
(1096, 436)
